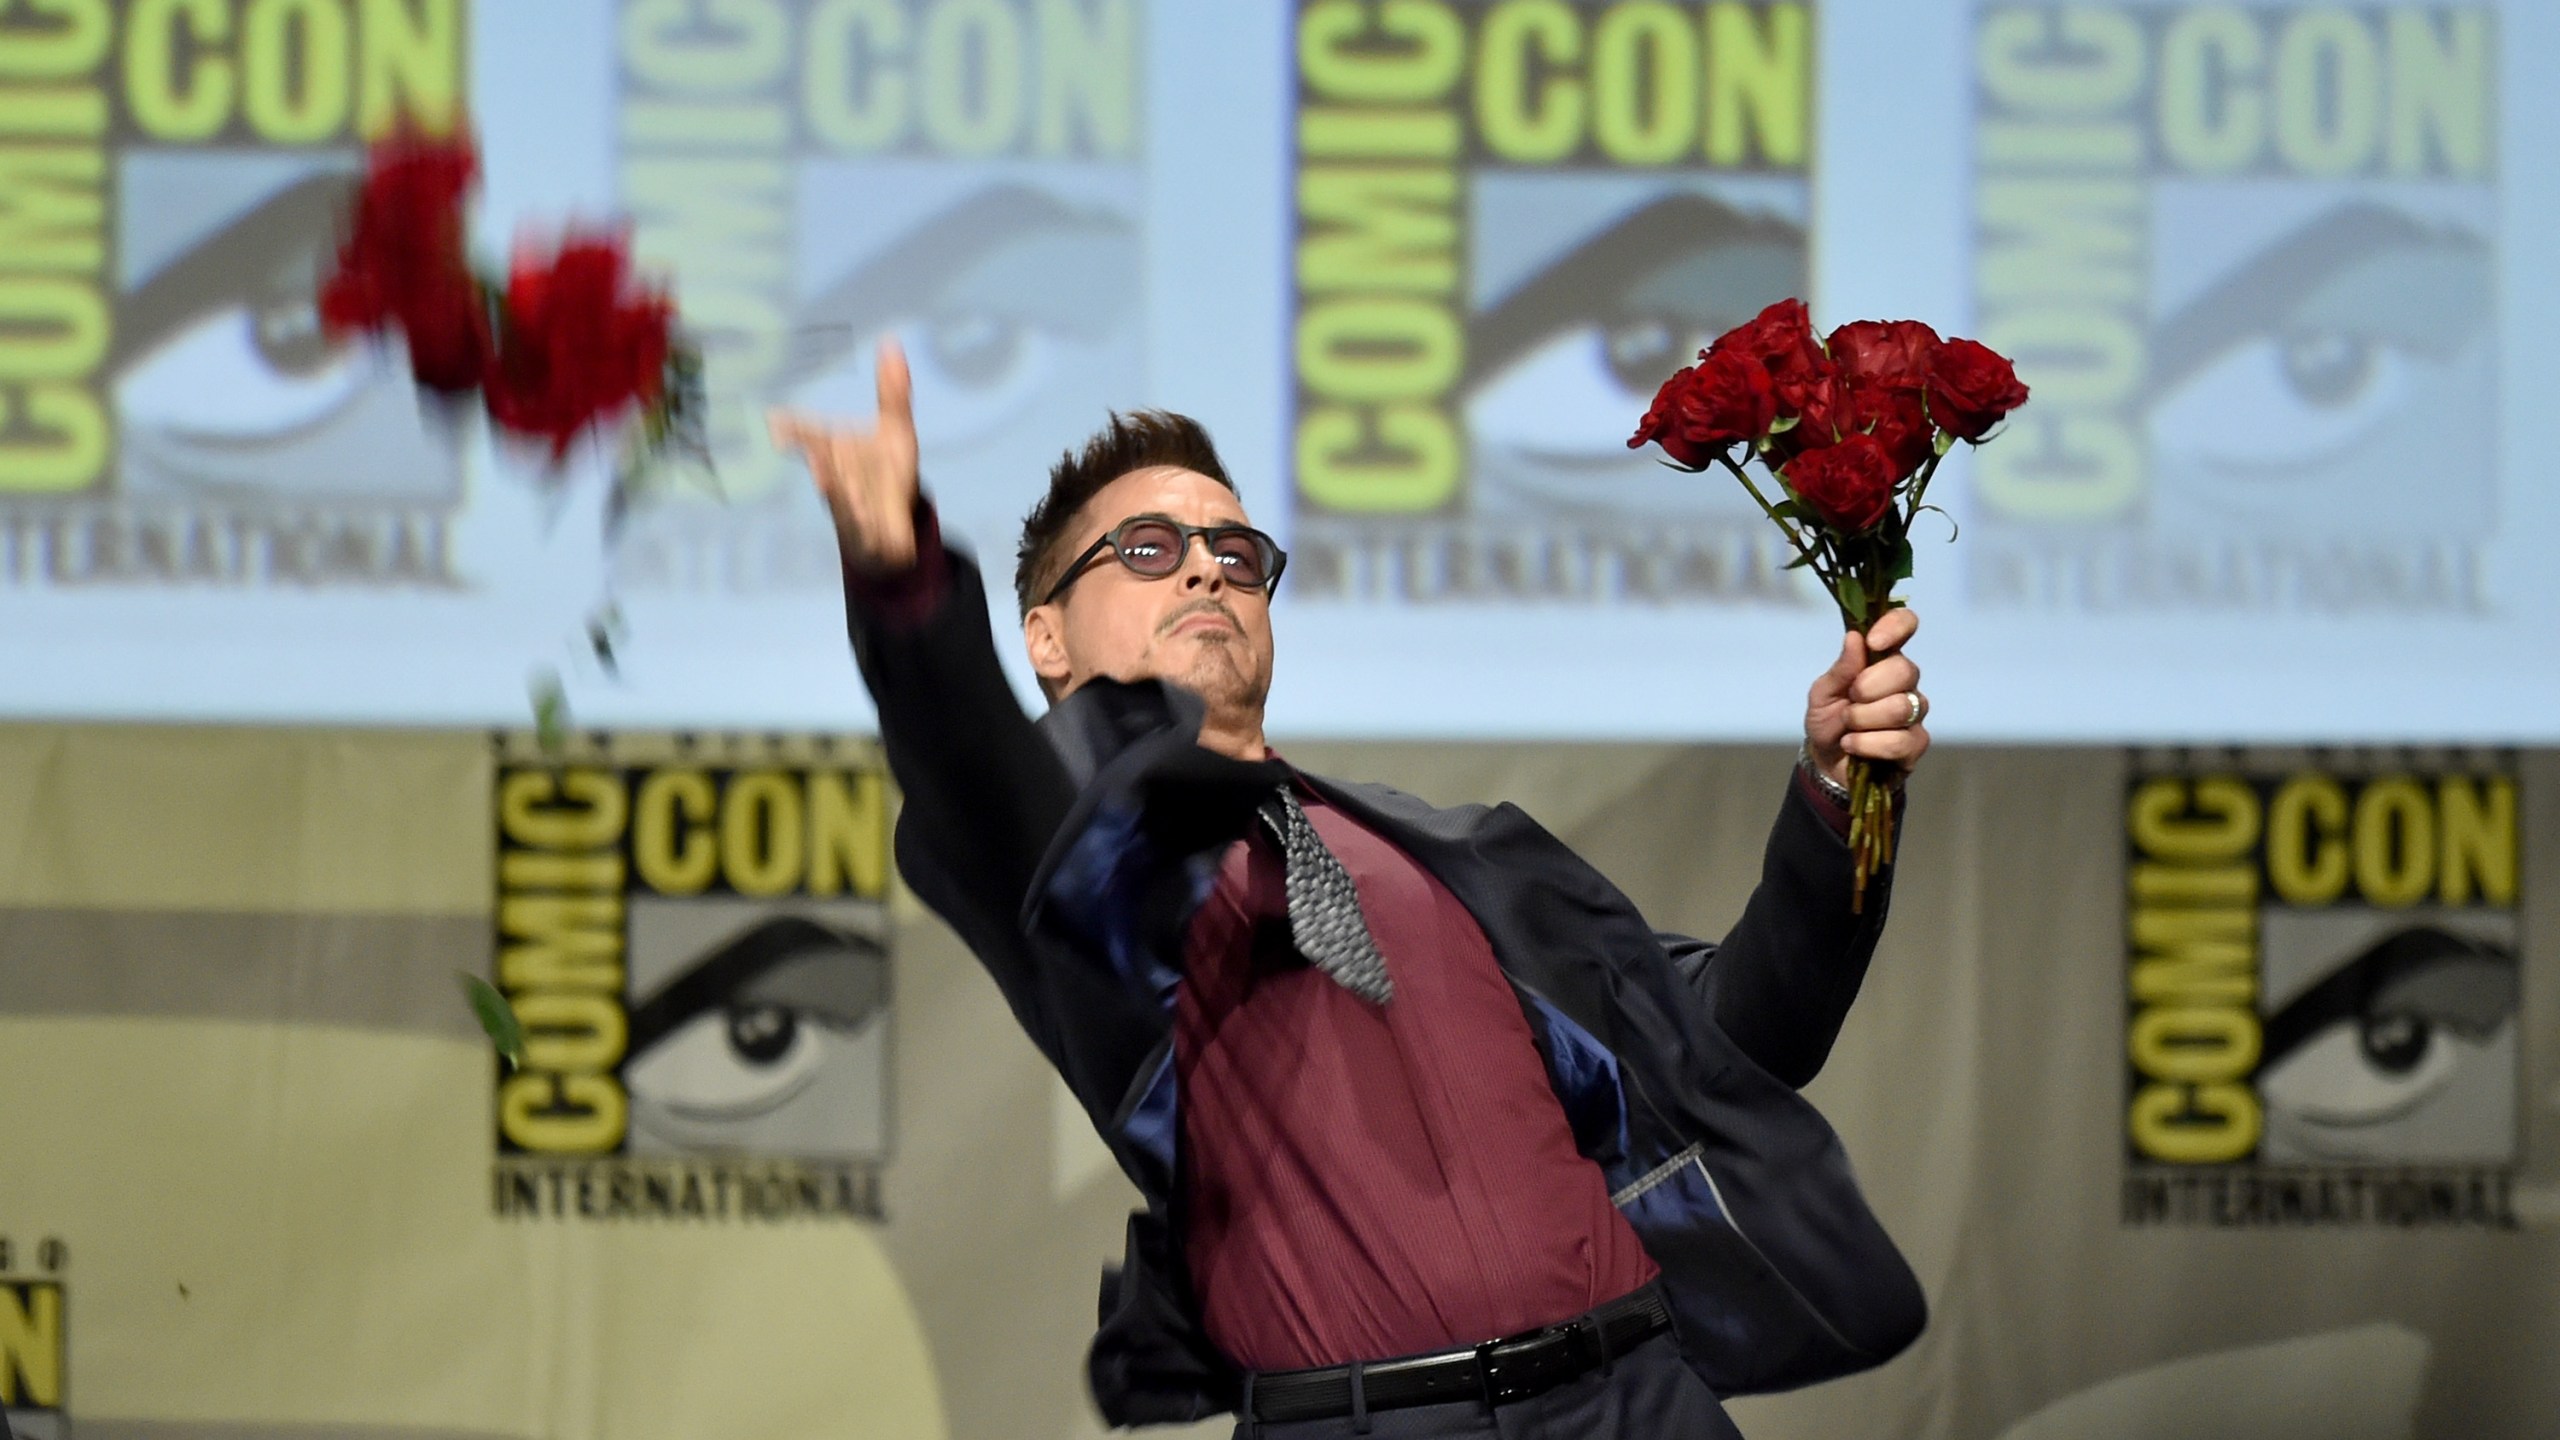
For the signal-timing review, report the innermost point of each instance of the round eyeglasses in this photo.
(1153, 546)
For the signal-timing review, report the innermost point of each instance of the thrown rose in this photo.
(585, 343)
(401, 265)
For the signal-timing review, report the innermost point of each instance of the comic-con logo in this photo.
(698, 949)
(963, 174)
(1513, 221)
(2322, 992)
(170, 411)
(2247, 254)
(34, 1339)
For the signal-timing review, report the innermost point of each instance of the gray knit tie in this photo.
(1324, 907)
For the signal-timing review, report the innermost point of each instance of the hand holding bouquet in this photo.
(1850, 429)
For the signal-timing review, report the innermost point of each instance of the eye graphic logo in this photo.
(772, 1039)
(2404, 1050)
(2323, 991)
(697, 945)
(190, 423)
(2253, 251)
(961, 174)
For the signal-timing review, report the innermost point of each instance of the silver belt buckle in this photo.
(1499, 1387)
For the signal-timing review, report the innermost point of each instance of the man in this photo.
(1436, 1135)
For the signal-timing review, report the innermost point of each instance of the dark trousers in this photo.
(1650, 1393)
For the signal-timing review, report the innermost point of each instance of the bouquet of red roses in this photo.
(1851, 428)
(570, 341)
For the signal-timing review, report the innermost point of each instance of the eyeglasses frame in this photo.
(1208, 535)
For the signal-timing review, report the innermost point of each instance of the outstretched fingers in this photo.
(813, 443)
(897, 391)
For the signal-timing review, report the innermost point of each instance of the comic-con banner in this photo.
(34, 1369)
(1513, 220)
(2246, 256)
(696, 939)
(2322, 990)
(170, 179)
(963, 174)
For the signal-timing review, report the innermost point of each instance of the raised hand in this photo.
(867, 477)
(1864, 705)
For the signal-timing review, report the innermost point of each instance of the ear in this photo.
(1044, 639)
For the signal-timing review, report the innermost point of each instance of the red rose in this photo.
(1729, 398)
(447, 327)
(1706, 408)
(1893, 354)
(1661, 424)
(1850, 485)
(1821, 411)
(1895, 417)
(1971, 388)
(1781, 339)
(402, 264)
(583, 342)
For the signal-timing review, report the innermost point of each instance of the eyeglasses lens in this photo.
(1241, 553)
(1151, 547)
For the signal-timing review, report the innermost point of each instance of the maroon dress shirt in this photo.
(1366, 1181)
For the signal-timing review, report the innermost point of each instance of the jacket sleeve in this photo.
(983, 790)
(1781, 982)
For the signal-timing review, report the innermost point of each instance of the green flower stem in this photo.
(1871, 803)
(1920, 487)
(1793, 538)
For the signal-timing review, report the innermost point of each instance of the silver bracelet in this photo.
(1830, 787)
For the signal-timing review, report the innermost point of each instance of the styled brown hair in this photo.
(1136, 440)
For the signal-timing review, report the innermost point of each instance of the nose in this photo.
(1200, 568)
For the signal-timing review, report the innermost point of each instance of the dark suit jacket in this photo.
(1070, 854)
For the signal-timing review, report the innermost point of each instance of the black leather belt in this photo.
(1497, 1371)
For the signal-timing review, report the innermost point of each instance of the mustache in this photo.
(1200, 607)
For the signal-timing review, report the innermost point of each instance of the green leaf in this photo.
(600, 644)
(1853, 598)
(1784, 424)
(1793, 510)
(1945, 442)
(1802, 560)
(496, 1017)
(1898, 564)
(550, 714)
